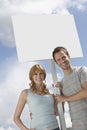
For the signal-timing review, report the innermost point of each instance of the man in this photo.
(73, 87)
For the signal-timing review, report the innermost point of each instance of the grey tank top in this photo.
(42, 108)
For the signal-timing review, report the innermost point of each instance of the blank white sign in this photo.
(36, 35)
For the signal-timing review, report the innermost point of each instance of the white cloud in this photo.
(40, 6)
(16, 79)
(43, 6)
(29, 6)
(6, 32)
(80, 5)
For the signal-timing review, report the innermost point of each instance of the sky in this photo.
(13, 74)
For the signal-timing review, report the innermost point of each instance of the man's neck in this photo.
(67, 71)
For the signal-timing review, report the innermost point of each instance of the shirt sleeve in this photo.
(83, 74)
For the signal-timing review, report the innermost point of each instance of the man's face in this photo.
(63, 60)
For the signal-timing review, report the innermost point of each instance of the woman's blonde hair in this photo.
(39, 68)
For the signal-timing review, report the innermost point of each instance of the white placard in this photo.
(36, 35)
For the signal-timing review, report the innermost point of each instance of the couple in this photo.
(42, 104)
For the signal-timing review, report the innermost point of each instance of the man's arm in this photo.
(78, 96)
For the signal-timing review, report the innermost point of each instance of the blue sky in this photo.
(14, 75)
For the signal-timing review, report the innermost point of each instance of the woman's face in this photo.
(38, 77)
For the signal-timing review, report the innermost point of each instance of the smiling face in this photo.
(37, 75)
(38, 78)
(63, 60)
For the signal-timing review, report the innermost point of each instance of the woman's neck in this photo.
(40, 90)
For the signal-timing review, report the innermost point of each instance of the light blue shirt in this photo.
(42, 108)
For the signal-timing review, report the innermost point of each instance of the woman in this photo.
(40, 102)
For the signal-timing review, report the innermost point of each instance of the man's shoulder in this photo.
(80, 68)
(81, 71)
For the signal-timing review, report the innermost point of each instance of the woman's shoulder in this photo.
(24, 92)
